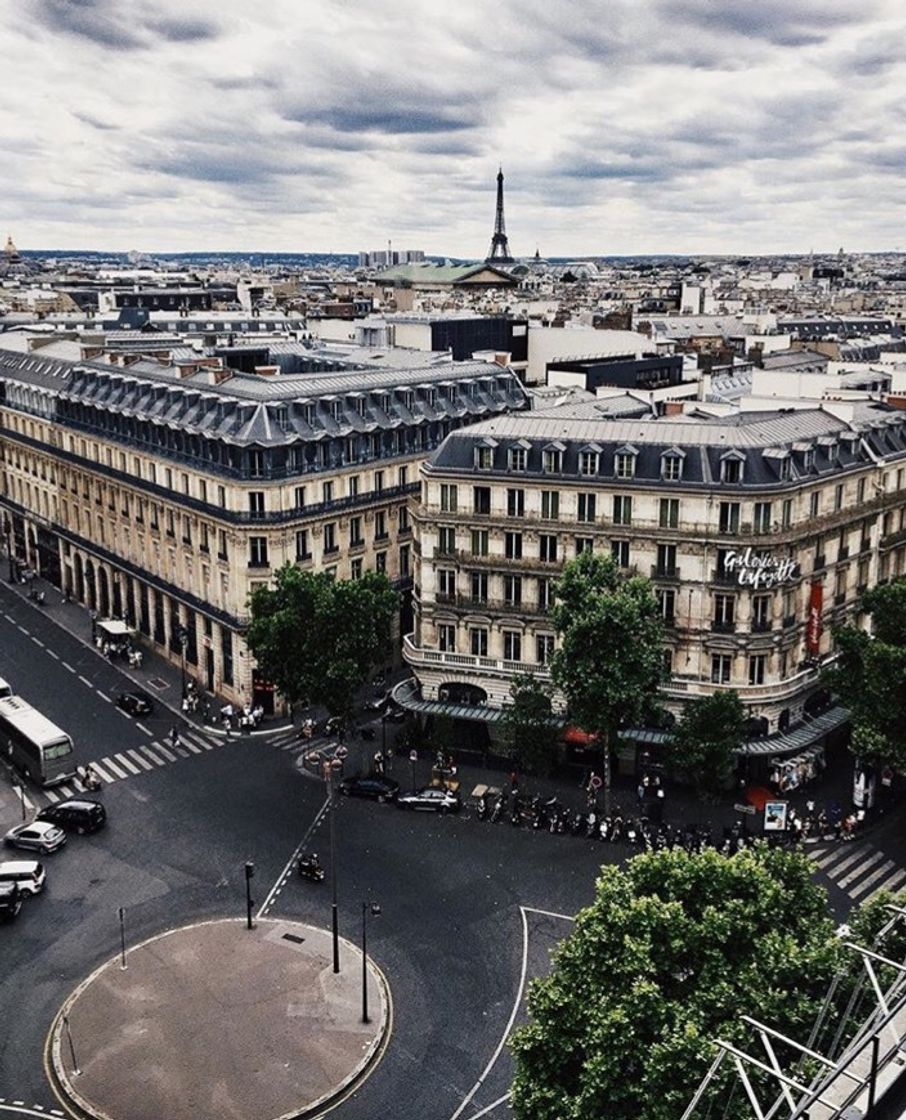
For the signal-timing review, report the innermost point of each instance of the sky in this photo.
(623, 127)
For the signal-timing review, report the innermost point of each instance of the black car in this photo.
(372, 786)
(76, 814)
(135, 703)
(393, 714)
(10, 900)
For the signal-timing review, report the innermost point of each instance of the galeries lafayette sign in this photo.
(760, 569)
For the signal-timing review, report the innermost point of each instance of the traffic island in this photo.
(215, 1019)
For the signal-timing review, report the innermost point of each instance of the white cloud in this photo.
(668, 126)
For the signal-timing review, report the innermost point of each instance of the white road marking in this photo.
(490, 1107)
(150, 754)
(827, 860)
(23, 630)
(163, 750)
(101, 772)
(130, 766)
(291, 862)
(37, 641)
(85, 680)
(109, 764)
(549, 913)
(892, 883)
(103, 696)
(188, 743)
(66, 665)
(859, 870)
(53, 653)
(142, 727)
(143, 762)
(886, 867)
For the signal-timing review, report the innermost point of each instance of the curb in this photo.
(61, 1082)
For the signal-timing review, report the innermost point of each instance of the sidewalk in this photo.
(215, 1019)
(160, 679)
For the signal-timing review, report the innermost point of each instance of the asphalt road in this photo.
(470, 910)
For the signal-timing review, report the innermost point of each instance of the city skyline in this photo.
(688, 129)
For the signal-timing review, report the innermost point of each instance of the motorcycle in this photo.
(37, 597)
(499, 810)
(311, 869)
(483, 811)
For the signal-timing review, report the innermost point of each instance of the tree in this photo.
(706, 737)
(610, 660)
(670, 954)
(870, 676)
(531, 734)
(317, 638)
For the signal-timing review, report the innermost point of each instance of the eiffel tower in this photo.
(499, 252)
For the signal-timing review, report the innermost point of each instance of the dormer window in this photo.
(309, 415)
(832, 453)
(518, 458)
(431, 397)
(671, 466)
(808, 460)
(784, 469)
(731, 466)
(336, 410)
(552, 458)
(484, 458)
(588, 462)
(384, 401)
(624, 463)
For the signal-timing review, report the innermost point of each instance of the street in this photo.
(469, 910)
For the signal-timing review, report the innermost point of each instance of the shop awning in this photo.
(805, 735)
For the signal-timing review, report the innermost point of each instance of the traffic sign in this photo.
(748, 809)
(413, 756)
(595, 782)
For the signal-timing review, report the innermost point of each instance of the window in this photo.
(761, 521)
(547, 547)
(300, 497)
(203, 538)
(379, 482)
(588, 462)
(481, 499)
(622, 509)
(721, 668)
(761, 612)
(728, 517)
(256, 501)
(484, 458)
(584, 544)
(666, 599)
(446, 637)
(512, 590)
(544, 648)
(221, 497)
(586, 508)
(326, 492)
(479, 542)
(668, 513)
(512, 645)
(784, 469)
(838, 496)
(786, 515)
(402, 476)
(222, 545)
(620, 552)
(624, 464)
(515, 503)
(545, 594)
(478, 641)
(808, 460)
(330, 537)
(257, 552)
(403, 519)
(815, 504)
(170, 529)
(302, 550)
(551, 460)
(448, 497)
(355, 532)
(724, 612)
(860, 491)
(353, 485)
(518, 458)
(666, 560)
(446, 583)
(446, 540)
(731, 470)
(512, 546)
(380, 525)
(478, 582)
(355, 568)
(757, 664)
(380, 561)
(671, 468)
(550, 505)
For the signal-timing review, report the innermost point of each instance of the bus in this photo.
(39, 750)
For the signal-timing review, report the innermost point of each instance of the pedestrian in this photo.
(174, 737)
(514, 782)
(640, 791)
(378, 763)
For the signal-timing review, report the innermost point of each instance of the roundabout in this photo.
(216, 1019)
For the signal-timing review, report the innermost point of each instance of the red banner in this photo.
(814, 628)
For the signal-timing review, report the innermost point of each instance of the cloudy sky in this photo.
(625, 126)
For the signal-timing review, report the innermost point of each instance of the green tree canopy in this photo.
(674, 948)
(531, 734)
(317, 638)
(870, 676)
(706, 737)
(610, 661)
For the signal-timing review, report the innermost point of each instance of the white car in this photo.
(39, 836)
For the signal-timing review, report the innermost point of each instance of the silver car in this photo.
(431, 799)
(39, 836)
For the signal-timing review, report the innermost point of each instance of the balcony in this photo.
(463, 662)
(820, 562)
(761, 625)
(789, 620)
(468, 603)
(665, 571)
(722, 627)
(839, 598)
(843, 553)
(524, 563)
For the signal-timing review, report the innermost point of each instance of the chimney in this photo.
(218, 376)
(186, 369)
(267, 371)
(89, 352)
(673, 408)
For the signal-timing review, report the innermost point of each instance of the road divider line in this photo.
(103, 696)
(66, 665)
(142, 727)
(549, 914)
(291, 862)
(23, 630)
(85, 680)
(53, 653)
(37, 641)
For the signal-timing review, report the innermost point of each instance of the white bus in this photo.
(38, 749)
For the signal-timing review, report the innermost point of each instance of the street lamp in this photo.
(374, 909)
(182, 636)
(8, 528)
(249, 903)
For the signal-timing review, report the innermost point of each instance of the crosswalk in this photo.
(138, 760)
(859, 869)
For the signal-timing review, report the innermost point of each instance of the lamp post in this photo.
(374, 909)
(316, 760)
(249, 903)
(182, 636)
(8, 529)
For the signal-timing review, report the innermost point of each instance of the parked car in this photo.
(372, 786)
(10, 900)
(134, 702)
(378, 702)
(27, 874)
(39, 836)
(75, 814)
(393, 714)
(432, 799)
(336, 725)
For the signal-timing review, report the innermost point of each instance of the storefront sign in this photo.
(760, 569)
(775, 813)
(814, 627)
